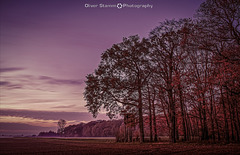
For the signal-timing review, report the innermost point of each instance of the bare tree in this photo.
(168, 53)
(61, 126)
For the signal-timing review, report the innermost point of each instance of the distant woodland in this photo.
(100, 128)
(103, 128)
(182, 81)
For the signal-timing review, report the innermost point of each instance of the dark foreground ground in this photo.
(100, 146)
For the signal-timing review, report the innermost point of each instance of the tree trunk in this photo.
(225, 118)
(182, 113)
(218, 131)
(189, 127)
(165, 114)
(231, 116)
(237, 122)
(125, 128)
(140, 106)
(177, 133)
(237, 113)
(216, 121)
(205, 129)
(212, 115)
(150, 115)
(231, 119)
(201, 120)
(129, 134)
(171, 100)
(198, 130)
(234, 117)
(154, 119)
(172, 117)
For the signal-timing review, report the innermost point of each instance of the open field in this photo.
(106, 146)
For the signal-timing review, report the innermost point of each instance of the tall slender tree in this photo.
(168, 43)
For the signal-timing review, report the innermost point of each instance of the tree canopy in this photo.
(186, 72)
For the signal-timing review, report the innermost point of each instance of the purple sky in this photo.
(49, 46)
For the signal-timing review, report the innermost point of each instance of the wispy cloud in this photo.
(9, 85)
(4, 83)
(36, 82)
(22, 90)
(51, 115)
(32, 101)
(30, 121)
(11, 69)
(67, 106)
(51, 80)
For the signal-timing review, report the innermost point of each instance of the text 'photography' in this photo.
(119, 6)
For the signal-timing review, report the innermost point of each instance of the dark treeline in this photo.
(187, 71)
(99, 128)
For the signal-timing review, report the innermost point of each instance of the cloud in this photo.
(51, 80)
(11, 69)
(41, 93)
(42, 83)
(51, 115)
(68, 106)
(4, 83)
(9, 85)
(32, 101)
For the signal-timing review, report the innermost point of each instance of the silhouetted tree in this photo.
(188, 71)
(119, 80)
(168, 53)
(219, 22)
(61, 125)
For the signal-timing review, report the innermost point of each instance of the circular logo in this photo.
(119, 5)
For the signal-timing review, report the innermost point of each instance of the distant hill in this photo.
(99, 128)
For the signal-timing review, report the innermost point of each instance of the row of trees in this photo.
(187, 70)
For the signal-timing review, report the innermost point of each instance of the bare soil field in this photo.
(101, 146)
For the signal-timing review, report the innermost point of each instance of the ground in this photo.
(107, 146)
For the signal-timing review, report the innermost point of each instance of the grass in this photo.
(106, 146)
